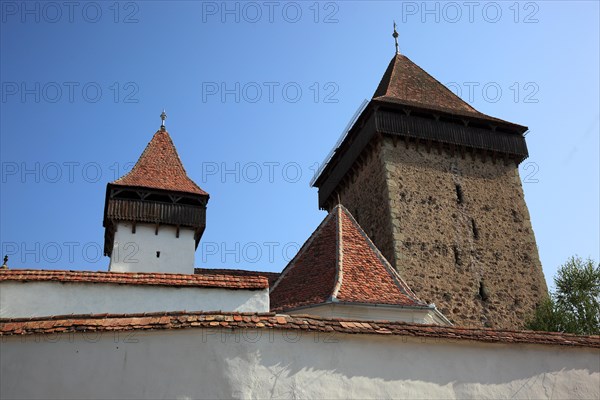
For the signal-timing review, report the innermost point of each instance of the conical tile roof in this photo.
(159, 167)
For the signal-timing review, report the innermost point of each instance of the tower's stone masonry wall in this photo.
(475, 258)
(462, 236)
(365, 196)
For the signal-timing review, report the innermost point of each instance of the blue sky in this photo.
(257, 93)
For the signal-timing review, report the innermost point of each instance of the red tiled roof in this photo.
(404, 82)
(310, 276)
(159, 167)
(212, 320)
(340, 263)
(271, 276)
(215, 280)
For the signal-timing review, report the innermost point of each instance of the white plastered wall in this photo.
(35, 299)
(198, 363)
(137, 252)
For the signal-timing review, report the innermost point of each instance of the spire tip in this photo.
(395, 36)
(163, 117)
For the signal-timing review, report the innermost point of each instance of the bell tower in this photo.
(154, 216)
(435, 184)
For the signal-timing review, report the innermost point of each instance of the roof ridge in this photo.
(383, 86)
(339, 273)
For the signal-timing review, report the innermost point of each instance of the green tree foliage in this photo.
(574, 306)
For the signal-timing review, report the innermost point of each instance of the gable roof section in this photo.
(159, 167)
(220, 279)
(339, 263)
(405, 83)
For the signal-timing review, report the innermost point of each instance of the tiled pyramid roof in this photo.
(159, 167)
(340, 263)
(405, 83)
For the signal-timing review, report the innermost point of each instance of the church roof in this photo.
(405, 83)
(159, 167)
(218, 279)
(339, 263)
(270, 321)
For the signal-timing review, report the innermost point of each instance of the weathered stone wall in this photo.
(462, 236)
(364, 193)
(475, 258)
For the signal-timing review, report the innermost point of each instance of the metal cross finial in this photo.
(5, 266)
(395, 35)
(163, 116)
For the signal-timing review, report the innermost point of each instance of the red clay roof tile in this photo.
(340, 262)
(310, 276)
(159, 167)
(271, 276)
(235, 320)
(404, 82)
(208, 280)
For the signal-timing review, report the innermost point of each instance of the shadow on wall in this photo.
(200, 363)
(440, 362)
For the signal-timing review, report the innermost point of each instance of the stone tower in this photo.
(435, 184)
(155, 215)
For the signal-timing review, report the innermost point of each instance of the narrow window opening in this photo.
(475, 230)
(459, 194)
(483, 293)
(457, 259)
(516, 216)
(158, 254)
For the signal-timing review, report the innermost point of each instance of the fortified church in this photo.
(417, 283)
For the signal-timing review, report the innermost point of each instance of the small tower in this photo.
(154, 215)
